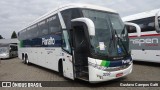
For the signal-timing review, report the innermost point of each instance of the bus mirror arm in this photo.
(138, 29)
(157, 23)
(88, 22)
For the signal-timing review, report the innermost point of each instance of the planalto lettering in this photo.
(50, 41)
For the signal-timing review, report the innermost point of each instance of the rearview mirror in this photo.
(138, 29)
(88, 22)
(157, 22)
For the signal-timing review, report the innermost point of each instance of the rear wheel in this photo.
(23, 58)
(26, 60)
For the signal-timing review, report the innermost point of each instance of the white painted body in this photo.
(49, 57)
(147, 55)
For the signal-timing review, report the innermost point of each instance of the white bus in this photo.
(147, 46)
(79, 41)
(8, 51)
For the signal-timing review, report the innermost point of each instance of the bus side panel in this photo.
(146, 47)
(147, 55)
(45, 57)
(52, 57)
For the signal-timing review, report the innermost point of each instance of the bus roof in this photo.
(141, 15)
(4, 45)
(7, 44)
(68, 6)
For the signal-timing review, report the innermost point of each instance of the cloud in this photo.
(15, 14)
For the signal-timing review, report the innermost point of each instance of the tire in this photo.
(26, 60)
(23, 59)
(60, 68)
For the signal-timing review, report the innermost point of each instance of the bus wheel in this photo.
(26, 60)
(23, 59)
(60, 67)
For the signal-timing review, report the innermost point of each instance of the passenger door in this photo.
(81, 50)
(66, 56)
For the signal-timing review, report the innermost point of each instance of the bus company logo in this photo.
(144, 41)
(50, 41)
(126, 61)
(6, 84)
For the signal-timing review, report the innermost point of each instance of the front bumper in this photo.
(99, 74)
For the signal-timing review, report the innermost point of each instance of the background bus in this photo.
(80, 41)
(147, 46)
(8, 51)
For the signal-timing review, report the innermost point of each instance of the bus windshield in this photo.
(111, 37)
(3, 50)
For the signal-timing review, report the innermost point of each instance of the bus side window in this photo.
(66, 14)
(151, 26)
(146, 24)
(43, 28)
(13, 48)
(65, 41)
(54, 24)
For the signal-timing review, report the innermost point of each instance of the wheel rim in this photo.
(27, 61)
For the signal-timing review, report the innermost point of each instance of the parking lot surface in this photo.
(15, 70)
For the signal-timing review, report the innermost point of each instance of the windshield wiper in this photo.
(123, 30)
(120, 40)
(111, 41)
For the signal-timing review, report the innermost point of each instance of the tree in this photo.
(14, 35)
(1, 37)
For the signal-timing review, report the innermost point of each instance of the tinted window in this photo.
(65, 42)
(70, 14)
(67, 18)
(28, 35)
(34, 31)
(13, 48)
(146, 24)
(54, 24)
(43, 28)
(47, 26)
(22, 35)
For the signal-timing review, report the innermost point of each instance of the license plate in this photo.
(119, 74)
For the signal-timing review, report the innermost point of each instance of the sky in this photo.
(16, 14)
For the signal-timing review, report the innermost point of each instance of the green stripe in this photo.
(105, 63)
(21, 44)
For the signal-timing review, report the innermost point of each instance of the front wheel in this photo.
(60, 67)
